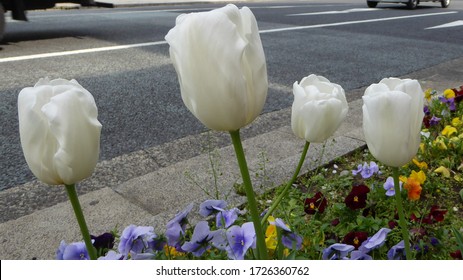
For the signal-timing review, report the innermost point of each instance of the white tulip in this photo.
(318, 109)
(221, 66)
(59, 131)
(392, 119)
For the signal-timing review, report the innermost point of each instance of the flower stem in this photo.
(288, 186)
(252, 204)
(402, 222)
(72, 194)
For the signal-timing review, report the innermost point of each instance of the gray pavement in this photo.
(152, 185)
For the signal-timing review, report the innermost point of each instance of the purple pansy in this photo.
(359, 255)
(226, 218)
(73, 251)
(434, 120)
(200, 240)
(112, 256)
(397, 252)
(449, 101)
(211, 206)
(289, 239)
(375, 241)
(240, 239)
(366, 170)
(337, 251)
(389, 186)
(175, 228)
(135, 240)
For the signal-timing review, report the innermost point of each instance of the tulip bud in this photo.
(59, 131)
(221, 68)
(318, 109)
(392, 119)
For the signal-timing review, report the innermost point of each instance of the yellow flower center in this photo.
(356, 241)
(356, 199)
(312, 206)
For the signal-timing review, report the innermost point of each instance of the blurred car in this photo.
(18, 8)
(411, 4)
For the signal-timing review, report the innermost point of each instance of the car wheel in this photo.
(411, 4)
(2, 22)
(373, 4)
(445, 3)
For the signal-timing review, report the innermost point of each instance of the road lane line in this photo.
(65, 53)
(356, 10)
(120, 47)
(353, 22)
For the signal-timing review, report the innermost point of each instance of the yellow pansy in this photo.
(423, 147)
(271, 237)
(443, 171)
(428, 94)
(419, 176)
(449, 130)
(420, 164)
(456, 122)
(171, 252)
(448, 93)
(439, 143)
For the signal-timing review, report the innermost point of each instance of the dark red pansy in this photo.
(315, 204)
(357, 198)
(355, 238)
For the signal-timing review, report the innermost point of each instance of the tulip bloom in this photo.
(318, 109)
(221, 68)
(59, 131)
(392, 118)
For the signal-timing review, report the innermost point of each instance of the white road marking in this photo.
(336, 12)
(447, 25)
(353, 22)
(120, 47)
(92, 50)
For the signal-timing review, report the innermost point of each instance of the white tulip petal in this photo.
(391, 120)
(318, 109)
(59, 131)
(220, 66)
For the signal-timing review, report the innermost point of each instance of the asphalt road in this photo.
(136, 87)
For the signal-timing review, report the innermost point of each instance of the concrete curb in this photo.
(154, 198)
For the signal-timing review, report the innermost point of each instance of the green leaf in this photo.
(461, 194)
(458, 237)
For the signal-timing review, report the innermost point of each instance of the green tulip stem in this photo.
(288, 186)
(252, 203)
(72, 194)
(400, 210)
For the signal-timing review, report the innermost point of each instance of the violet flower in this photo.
(397, 252)
(337, 251)
(73, 251)
(135, 240)
(226, 218)
(359, 255)
(289, 239)
(366, 170)
(174, 234)
(112, 256)
(434, 120)
(375, 241)
(240, 239)
(449, 101)
(389, 186)
(176, 227)
(211, 206)
(104, 241)
(200, 239)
